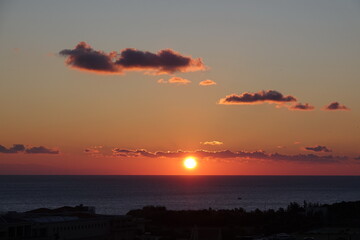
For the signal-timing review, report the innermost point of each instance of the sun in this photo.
(190, 162)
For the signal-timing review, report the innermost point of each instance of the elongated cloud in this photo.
(212, 143)
(166, 61)
(18, 148)
(270, 96)
(335, 106)
(318, 149)
(41, 150)
(207, 82)
(14, 149)
(302, 107)
(229, 154)
(175, 80)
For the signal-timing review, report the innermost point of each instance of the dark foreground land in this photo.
(336, 221)
(306, 221)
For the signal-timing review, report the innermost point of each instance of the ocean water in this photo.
(119, 194)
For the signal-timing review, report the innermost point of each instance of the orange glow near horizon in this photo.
(190, 163)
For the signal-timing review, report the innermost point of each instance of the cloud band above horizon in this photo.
(226, 154)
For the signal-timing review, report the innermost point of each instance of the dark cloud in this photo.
(335, 106)
(17, 148)
(166, 61)
(357, 158)
(318, 149)
(230, 154)
(269, 96)
(86, 58)
(14, 149)
(302, 107)
(41, 150)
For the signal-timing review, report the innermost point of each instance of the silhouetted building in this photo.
(68, 223)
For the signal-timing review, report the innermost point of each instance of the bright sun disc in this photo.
(190, 163)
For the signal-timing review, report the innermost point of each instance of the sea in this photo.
(120, 194)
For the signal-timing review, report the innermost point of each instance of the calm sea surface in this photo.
(119, 194)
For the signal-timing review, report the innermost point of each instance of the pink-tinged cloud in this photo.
(167, 61)
(335, 106)
(207, 82)
(318, 148)
(301, 107)
(18, 148)
(260, 155)
(212, 143)
(175, 80)
(269, 96)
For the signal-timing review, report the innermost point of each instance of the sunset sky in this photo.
(252, 87)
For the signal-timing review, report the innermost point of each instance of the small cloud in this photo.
(179, 80)
(297, 142)
(41, 150)
(269, 96)
(166, 61)
(335, 106)
(302, 107)
(207, 82)
(175, 80)
(280, 146)
(14, 149)
(212, 143)
(91, 151)
(318, 149)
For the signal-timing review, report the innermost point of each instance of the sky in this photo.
(251, 87)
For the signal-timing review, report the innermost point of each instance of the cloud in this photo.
(17, 148)
(212, 143)
(41, 150)
(269, 96)
(318, 149)
(175, 80)
(132, 153)
(14, 149)
(91, 151)
(207, 82)
(357, 158)
(260, 155)
(83, 57)
(302, 107)
(335, 106)
(166, 61)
